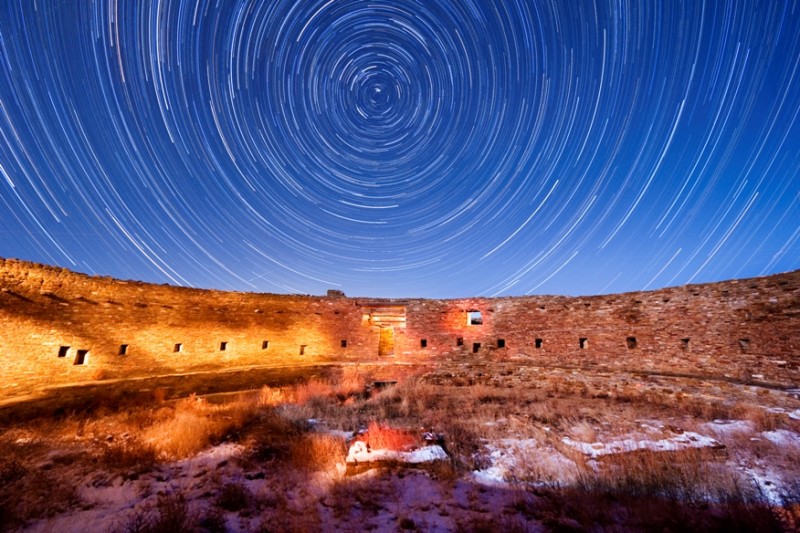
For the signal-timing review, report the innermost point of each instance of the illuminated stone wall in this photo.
(744, 329)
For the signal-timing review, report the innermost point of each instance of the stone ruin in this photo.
(59, 327)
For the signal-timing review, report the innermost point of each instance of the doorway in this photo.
(386, 343)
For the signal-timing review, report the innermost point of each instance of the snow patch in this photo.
(361, 453)
(525, 460)
(729, 427)
(683, 441)
(768, 483)
(782, 437)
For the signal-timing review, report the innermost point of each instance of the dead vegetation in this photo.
(291, 443)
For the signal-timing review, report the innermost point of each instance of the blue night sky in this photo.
(402, 147)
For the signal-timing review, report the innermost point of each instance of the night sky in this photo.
(402, 148)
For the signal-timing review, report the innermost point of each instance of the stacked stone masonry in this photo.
(59, 327)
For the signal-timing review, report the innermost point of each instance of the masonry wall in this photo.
(743, 329)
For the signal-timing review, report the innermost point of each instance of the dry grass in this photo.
(169, 514)
(317, 452)
(233, 497)
(643, 490)
(690, 476)
(383, 437)
(194, 424)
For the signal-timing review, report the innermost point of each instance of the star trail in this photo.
(402, 147)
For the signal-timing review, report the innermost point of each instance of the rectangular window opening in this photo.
(538, 344)
(123, 349)
(264, 345)
(423, 343)
(62, 352)
(475, 347)
(178, 347)
(474, 318)
(631, 342)
(80, 357)
(223, 346)
(501, 343)
(685, 343)
(460, 341)
(344, 343)
(302, 349)
(583, 342)
(744, 344)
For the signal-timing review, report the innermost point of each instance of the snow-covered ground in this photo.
(414, 499)
(525, 461)
(685, 440)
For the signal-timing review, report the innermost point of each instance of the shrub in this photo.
(169, 514)
(352, 381)
(129, 453)
(271, 396)
(194, 424)
(11, 470)
(185, 434)
(463, 444)
(315, 451)
(233, 497)
(313, 389)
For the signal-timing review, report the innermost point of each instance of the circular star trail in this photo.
(404, 147)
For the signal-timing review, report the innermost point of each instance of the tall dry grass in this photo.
(318, 452)
(692, 475)
(195, 423)
(383, 437)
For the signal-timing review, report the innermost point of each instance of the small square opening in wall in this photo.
(178, 347)
(744, 344)
(223, 346)
(631, 342)
(344, 343)
(123, 349)
(63, 351)
(423, 343)
(474, 318)
(302, 349)
(501, 343)
(80, 357)
(685, 343)
(538, 344)
(475, 347)
(460, 341)
(583, 342)
(264, 345)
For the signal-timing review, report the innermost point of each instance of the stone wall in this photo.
(59, 327)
